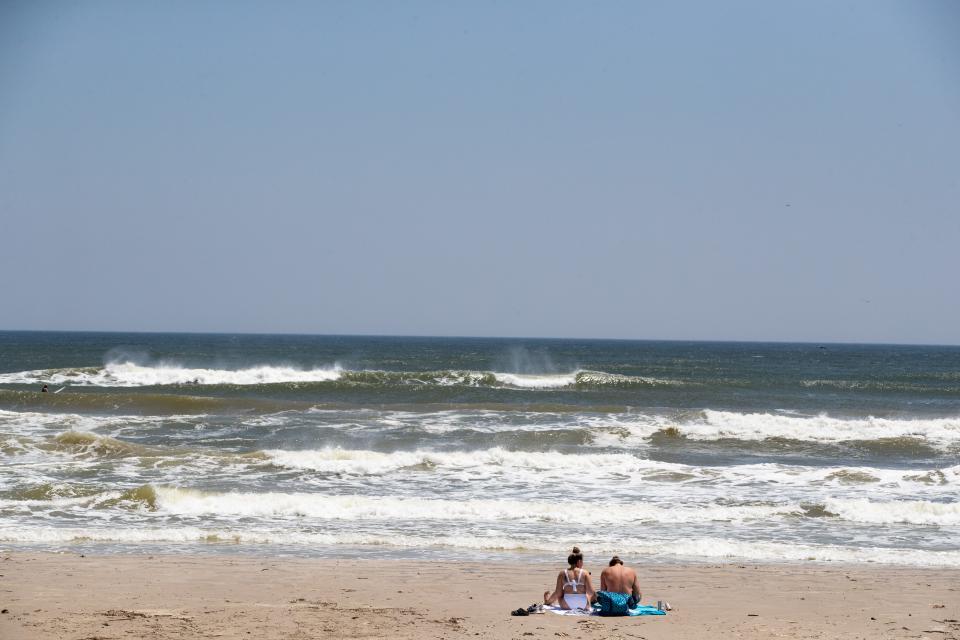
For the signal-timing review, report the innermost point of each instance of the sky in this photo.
(784, 171)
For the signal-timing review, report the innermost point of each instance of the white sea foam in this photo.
(186, 502)
(761, 426)
(636, 429)
(54, 503)
(697, 549)
(579, 376)
(623, 468)
(537, 381)
(604, 429)
(922, 512)
(600, 378)
(762, 551)
(32, 422)
(129, 374)
(363, 462)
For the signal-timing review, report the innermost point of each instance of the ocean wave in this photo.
(887, 386)
(624, 468)
(719, 425)
(469, 426)
(61, 497)
(365, 462)
(639, 550)
(189, 502)
(90, 444)
(603, 379)
(546, 464)
(129, 374)
(919, 512)
(538, 381)
(25, 422)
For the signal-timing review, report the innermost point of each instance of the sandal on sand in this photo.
(519, 612)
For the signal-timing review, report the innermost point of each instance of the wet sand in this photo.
(179, 596)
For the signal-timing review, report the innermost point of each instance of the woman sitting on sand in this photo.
(574, 589)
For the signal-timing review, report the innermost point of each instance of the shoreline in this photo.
(173, 595)
(226, 549)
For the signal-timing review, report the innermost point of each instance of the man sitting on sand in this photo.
(620, 579)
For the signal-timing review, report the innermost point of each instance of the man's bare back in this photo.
(620, 579)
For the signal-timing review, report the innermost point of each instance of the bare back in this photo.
(620, 579)
(574, 589)
(573, 580)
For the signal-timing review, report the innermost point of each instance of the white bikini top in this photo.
(570, 582)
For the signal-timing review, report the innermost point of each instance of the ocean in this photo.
(469, 448)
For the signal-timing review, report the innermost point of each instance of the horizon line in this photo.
(487, 337)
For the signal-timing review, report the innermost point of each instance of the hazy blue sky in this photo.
(709, 170)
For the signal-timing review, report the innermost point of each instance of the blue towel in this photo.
(646, 610)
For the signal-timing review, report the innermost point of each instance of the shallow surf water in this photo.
(467, 448)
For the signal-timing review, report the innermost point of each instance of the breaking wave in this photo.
(920, 512)
(183, 502)
(187, 502)
(719, 425)
(359, 462)
(91, 444)
(129, 374)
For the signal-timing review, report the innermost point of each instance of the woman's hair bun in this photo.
(576, 550)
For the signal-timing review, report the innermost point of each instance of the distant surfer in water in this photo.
(44, 389)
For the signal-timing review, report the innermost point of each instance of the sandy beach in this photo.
(169, 596)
